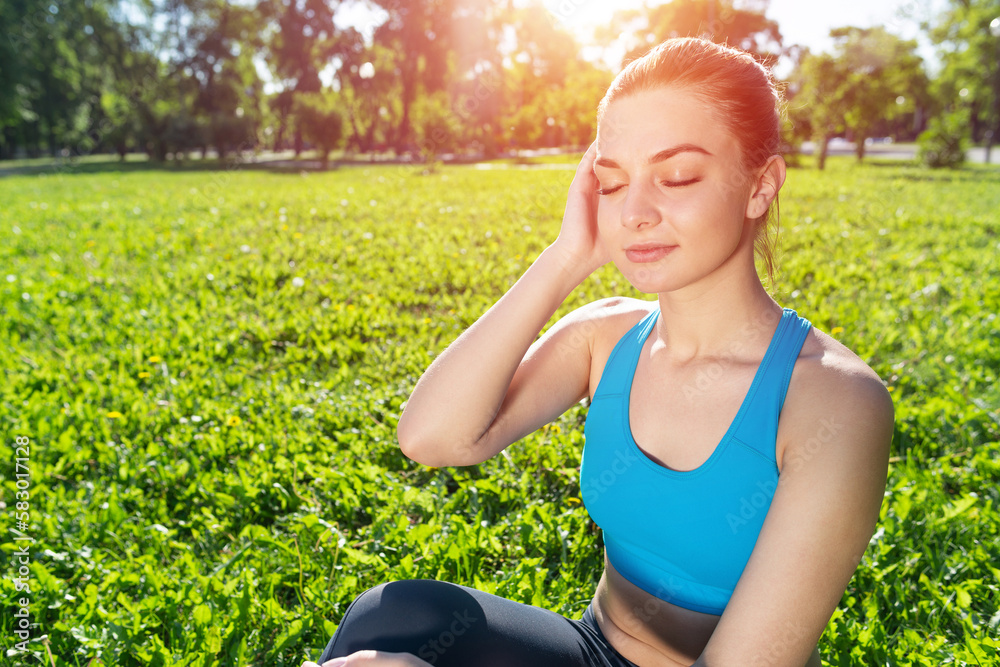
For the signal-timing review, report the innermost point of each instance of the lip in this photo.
(642, 253)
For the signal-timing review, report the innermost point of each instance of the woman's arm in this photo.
(487, 389)
(820, 521)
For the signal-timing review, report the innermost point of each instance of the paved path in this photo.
(898, 151)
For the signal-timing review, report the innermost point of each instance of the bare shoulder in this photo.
(604, 322)
(835, 396)
(622, 309)
(611, 318)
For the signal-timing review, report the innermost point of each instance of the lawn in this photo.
(204, 370)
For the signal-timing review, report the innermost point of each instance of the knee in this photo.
(406, 603)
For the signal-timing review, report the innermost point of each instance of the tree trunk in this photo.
(822, 146)
(409, 92)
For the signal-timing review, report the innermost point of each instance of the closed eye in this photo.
(608, 191)
(680, 184)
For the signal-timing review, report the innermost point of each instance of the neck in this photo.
(718, 316)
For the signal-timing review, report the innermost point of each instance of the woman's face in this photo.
(674, 198)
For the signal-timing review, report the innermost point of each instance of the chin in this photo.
(647, 280)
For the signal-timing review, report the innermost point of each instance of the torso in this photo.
(680, 429)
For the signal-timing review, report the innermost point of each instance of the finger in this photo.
(589, 157)
(585, 170)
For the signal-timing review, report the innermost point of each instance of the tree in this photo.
(370, 94)
(968, 34)
(417, 31)
(816, 110)
(873, 79)
(878, 70)
(321, 122)
(52, 72)
(301, 40)
(943, 144)
(550, 92)
(218, 59)
(718, 20)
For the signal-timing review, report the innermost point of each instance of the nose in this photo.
(639, 207)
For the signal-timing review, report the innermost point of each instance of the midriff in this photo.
(649, 631)
(645, 629)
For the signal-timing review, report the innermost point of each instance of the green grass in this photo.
(209, 367)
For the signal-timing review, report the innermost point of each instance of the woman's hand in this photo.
(579, 243)
(373, 659)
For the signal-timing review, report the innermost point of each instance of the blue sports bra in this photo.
(685, 536)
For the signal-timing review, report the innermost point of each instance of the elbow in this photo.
(427, 450)
(411, 446)
(416, 446)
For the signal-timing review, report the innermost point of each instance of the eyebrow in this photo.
(665, 154)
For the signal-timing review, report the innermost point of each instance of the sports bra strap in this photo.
(620, 366)
(767, 394)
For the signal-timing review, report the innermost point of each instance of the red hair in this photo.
(741, 90)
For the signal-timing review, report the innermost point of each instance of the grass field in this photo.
(205, 369)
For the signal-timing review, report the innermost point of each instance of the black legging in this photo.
(449, 625)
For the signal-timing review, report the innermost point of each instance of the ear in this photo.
(766, 184)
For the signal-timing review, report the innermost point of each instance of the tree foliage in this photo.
(872, 81)
(943, 144)
(968, 35)
(321, 122)
(745, 27)
(429, 76)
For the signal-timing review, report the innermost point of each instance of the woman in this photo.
(735, 456)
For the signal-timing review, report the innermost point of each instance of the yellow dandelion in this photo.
(91, 243)
(114, 414)
(144, 374)
(836, 330)
(573, 501)
(155, 359)
(233, 421)
(297, 235)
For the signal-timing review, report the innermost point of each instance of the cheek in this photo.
(608, 214)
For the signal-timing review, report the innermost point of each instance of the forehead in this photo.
(644, 123)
